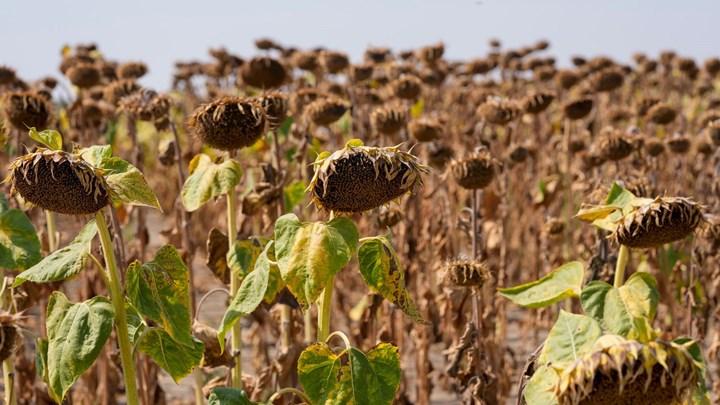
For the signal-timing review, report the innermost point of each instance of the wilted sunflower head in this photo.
(466, 273)
(325, 111)
(389, 119)
(359, 178)
(229, 123)
(660, 221)
(8, 334)
(60, 182)
(628, 372)
(578, 109)
(263, 72)
(475, 171)
(498, 112)
(275, 105)
(84, 75)
(426, 129)
(27, 110)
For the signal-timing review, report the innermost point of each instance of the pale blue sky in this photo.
(161, 32)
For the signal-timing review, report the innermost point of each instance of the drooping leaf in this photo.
(160, 290)
(41, 351)
(62, 263)
(275, 282)
(318, 370)
(19, 244)
(384, 361)
(136, 326)
(620, 310)
(294, 193)
(249, 296)
(571, 336)
(208, 180)
(563, 282)
(618, 203)
(128, 183)
(380, 268)
(175, 358)
(96, 154)
(76, 334)
(229, 396)
(49, 137)
(309, 254)
(241, 259)
(540, 388)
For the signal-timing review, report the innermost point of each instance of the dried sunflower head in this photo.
(678, 143)
(578, 109)
(84, 75)
(334, 62)
(325, 111)
(660, 221)
(608, 79)
(661, 113)
(115, 91)
(389, 119)
(229, 123)
(620, 371)
(425, 129)
(7, 75)
(263, 72)
(537, 103)
(407, 87)
(498, 112)
(9, 334)
(60, 182)
(475, 171)
(358, 178)
(466, 273)
(27, 110)
(615, 146)
(275, 105)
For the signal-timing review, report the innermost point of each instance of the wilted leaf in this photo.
(380, 268)
(565, 281)
(249, 296)
(175, 358)
(49, 137)
(96, 154)
(540, 390)
(318, 371)
(310, 253)
(19, 244)
(127, 183)
(208, 180)
(571, 336)
(76, 334)
(241, 259)
(160, 290)
(217, 248)
(62, 263)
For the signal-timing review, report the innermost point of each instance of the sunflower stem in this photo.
(324, 305)
(118, 301)
(620, 266)
(9, 381)
(52, 236)
(293, 391)
(236, 333)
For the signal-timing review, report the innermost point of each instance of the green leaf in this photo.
(540, 390)
(175, 358)
(76, 334)
(249, 296)
(96, 154)
(136, 326)
(160, 290)
(620, 310)
(128, 183)
(62, 263)
(241, 259)
(565, 281)
(309, 254)
(229, 396)
(266, 263)
(208, 180)
(284, 129)
(294, 194)
(619, 202)
(603, 303)
(19, 244)
(384, 362)
(49, 137)
(41, 351)
(380, 268)
(571, 336)
(318, 370)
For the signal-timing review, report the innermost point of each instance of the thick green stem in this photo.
(236, 336)
(324, 305)
(52, 235)
(118, 301)
(620, 266)
(9, 381)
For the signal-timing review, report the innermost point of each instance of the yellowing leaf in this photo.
(209, 180)
(561, 283)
